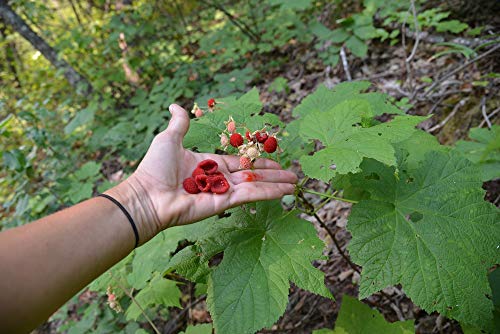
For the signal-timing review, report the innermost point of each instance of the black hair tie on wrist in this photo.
(129, 217)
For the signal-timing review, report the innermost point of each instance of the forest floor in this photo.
(456, 104)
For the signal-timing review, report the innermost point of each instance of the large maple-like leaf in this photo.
(263, 251)
(429, 229)
(346, 143)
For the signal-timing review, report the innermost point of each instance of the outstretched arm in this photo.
(46, 262)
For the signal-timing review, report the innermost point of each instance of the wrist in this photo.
(136, 200)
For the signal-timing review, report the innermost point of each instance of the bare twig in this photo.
(417, 32)
(493, 113)
(483, 111)
(345, 64)
(434, 107)
(458, 69)
(450, 115)
(409, 71)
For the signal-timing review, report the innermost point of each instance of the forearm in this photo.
(48, 261)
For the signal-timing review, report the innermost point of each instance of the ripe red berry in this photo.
(198, 171)
(203, 183)
(261, 137)
(208, 165)
(190, 185)
(236, 140)
(211, 103)
(245, 162)
(270, 145)
(219, 184)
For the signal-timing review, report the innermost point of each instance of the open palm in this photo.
(167, 164)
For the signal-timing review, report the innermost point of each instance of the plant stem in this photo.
(330, 196)
(136, 303)
(311, 212)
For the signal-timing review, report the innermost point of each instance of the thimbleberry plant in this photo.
(418, 216)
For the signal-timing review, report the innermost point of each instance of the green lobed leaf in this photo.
(263, 252)
(358, 318)
(324, 99)
(429, 229)
(155, 254)
(357, 46)
(83, 117)
(88, 170)
(484, 150)
(346, 143)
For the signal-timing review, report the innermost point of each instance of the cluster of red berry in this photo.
(256, 142)
(206, 178)
(198, 112)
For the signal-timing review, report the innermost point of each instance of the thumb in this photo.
(179, 123)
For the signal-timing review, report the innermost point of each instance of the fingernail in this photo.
(173, 107)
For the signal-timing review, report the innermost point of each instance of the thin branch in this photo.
(460, 68)
(417, 32)
(409, 74)
(345, 64)
(240, 24)
(493, 113)
(76, 13)
(450, 115)
(483, 111)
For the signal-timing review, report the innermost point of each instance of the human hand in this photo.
(157, 199)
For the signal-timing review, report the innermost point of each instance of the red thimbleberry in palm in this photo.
(198, 171)
(270, 145)
(209, 166)
(211, 103)
(218, 184)
(245, 162)
(203, 183)
(236, 140)
(261, 136)
(190, 186)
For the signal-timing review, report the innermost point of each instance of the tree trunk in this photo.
(79, 82)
